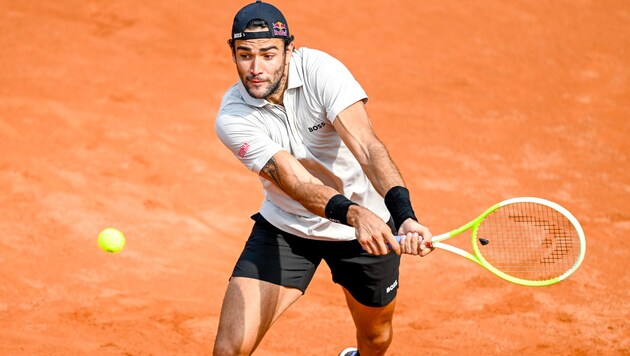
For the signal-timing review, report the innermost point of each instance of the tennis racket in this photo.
(527, 241)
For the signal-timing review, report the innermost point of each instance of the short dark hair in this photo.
(257, 24)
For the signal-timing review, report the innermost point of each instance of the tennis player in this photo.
(297, 118)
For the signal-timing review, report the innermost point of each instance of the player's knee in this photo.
(377, 339)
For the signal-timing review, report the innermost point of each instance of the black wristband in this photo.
(399, 205)
(337, 209)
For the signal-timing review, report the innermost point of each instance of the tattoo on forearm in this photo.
(272, 171)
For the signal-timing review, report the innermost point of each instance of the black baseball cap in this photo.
(277, 24)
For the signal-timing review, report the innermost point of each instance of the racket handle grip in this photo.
(434, 240)
(398, 238)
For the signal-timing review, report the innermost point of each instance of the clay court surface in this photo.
(107, 111)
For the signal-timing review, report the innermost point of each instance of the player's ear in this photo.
(287, 58)
(231, 44)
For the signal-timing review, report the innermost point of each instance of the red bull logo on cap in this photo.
(279, 29)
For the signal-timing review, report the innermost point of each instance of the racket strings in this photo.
(529, 241)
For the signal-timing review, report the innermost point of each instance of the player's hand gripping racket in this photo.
(528, 241)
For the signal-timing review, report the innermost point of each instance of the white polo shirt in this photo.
(319, 88)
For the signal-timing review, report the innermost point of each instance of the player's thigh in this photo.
(250, 306)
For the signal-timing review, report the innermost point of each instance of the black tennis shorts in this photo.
(281, 258)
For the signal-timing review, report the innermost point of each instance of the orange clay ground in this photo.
(106, 119)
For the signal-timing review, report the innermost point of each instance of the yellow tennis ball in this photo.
(111, 240)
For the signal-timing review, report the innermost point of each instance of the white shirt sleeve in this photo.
(333, 83)
(247, 139)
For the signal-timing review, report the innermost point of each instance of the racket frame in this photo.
(478, 258)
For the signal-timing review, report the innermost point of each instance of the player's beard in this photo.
(273, 87)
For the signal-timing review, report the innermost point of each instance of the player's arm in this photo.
(354, 128)
(286, 172)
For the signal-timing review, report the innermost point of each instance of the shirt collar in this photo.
(295, 80)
